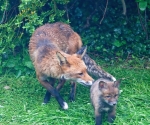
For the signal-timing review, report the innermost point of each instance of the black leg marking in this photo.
(54, 92)
(47, 97)
(72, 92)
(60, 84)
(112, 115)
(59, 99)
(98, 120)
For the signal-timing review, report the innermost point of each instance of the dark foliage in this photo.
(102, 26)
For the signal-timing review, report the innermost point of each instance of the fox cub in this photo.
(104, 95)
(52, 49)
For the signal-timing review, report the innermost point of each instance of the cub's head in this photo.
(110, 91)
(74, 68)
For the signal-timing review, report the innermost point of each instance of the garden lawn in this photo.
(21, 104)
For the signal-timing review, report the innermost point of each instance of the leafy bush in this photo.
(19, 20)
(118, 35)
(102, 26)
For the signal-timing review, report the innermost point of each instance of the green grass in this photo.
(22, 103)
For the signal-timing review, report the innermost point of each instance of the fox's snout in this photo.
(89, 83)
(113, 103)
(85, 83)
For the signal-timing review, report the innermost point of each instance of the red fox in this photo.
(52, 49)
(104, 95)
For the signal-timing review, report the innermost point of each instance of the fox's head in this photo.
(110, 91)
(74, 68)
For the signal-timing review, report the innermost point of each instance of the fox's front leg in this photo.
(112, 115)
(60, 84)
(54, 92)
(72, 91)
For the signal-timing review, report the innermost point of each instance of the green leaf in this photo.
(29, 64)
(10, 64)
(117, 43)
(142, 5)
(18, 74)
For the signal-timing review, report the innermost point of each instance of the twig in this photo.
(3, 18)
(71, 7)
(144, 28)
(55, 6)
(88, 19)
(4, 14)
(67, 11)
(124, 7)
(104, 13)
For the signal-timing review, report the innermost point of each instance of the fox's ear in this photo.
(102, 85)
(117, 83)
(82, 51)
(61, 58)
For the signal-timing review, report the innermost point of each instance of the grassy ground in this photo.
(21, 104)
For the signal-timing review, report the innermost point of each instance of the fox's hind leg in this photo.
(47, 97)
(48, 94)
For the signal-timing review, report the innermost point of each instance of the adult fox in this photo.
(52, 49)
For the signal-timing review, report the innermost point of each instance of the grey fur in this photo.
(94, 69)
(99, 103)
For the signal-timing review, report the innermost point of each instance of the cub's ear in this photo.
(102, 85)
(82, 51)
(61, 58)
(117, 83)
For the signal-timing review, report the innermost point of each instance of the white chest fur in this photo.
(106, 109)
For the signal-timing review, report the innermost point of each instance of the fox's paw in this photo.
(71, 98)
(65, 106)
(46, 101)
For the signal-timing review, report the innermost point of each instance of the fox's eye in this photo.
(116, 95)
(80, 74)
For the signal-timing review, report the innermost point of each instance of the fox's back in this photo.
(57, 36)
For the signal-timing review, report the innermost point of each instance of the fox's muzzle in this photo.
(82, 82)
(112, 103)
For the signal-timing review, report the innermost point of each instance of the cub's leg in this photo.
(98, 117)
(112, 115)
